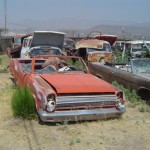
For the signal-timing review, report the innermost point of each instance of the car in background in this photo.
(42, 42)
(137, 48)
(118, 45)
(107, 37)
(64, 89)
(69, 43)
(44, 50)
(16, 48)
(132, 75)
(94, 50)
(69, 46)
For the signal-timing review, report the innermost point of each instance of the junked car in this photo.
(107, 37)
(133, 75)
(64, 89)
(42, 43)
(69, 44)
(137, 48)
(93, 50)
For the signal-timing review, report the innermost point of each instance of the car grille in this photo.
(85, 102)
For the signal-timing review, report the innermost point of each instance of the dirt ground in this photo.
(131, 132)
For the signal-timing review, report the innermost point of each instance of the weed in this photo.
(65, 122)
(71, 142)
(23, 104)
(78, 140)
(130, 95)
(147, 109)
(118, 56)
(137, 123)
(13, 86)
(4, 60)
(141, 109)
(4, 70)
(63, 126)
(88, 143)
(78, 132)
(85, 123)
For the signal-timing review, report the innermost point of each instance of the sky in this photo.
(96, 11)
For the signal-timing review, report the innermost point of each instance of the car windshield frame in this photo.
(137, 47)
(76, 64)
(106, 48)
(44, 51)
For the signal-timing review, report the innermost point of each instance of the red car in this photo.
(64, 89)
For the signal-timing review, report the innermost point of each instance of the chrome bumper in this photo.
(78, 115)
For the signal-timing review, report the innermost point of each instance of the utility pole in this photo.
(5, 14)
(123, 33)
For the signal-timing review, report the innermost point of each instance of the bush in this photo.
(130, 95)
(4, 60)
(118, 56)
(23, 104)
(4, 70)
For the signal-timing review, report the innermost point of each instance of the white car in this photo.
(42, 43)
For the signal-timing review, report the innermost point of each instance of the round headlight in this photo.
(119, 95)
(50, 97)
(51, 103)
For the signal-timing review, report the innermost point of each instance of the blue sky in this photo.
(136, 11)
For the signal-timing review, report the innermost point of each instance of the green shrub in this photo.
(23, 104)
(118, 56)
(4, 60)
(130, 95)
(4, 70)
(141, 109)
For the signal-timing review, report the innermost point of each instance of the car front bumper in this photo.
(79, 115)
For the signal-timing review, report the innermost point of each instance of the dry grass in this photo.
(130, 132)
(4, 60)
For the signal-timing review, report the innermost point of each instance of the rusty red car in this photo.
(64, 89)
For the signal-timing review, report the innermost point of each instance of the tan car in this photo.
(94, 50)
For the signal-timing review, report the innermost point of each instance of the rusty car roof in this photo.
(90, 43)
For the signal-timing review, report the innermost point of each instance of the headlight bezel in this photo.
(51, 103)
(120, 97)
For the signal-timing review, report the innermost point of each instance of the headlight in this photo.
(121, 100)
(51, 103)
(120, 97)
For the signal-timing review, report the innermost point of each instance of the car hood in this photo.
(77, 83)
(48, 38)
